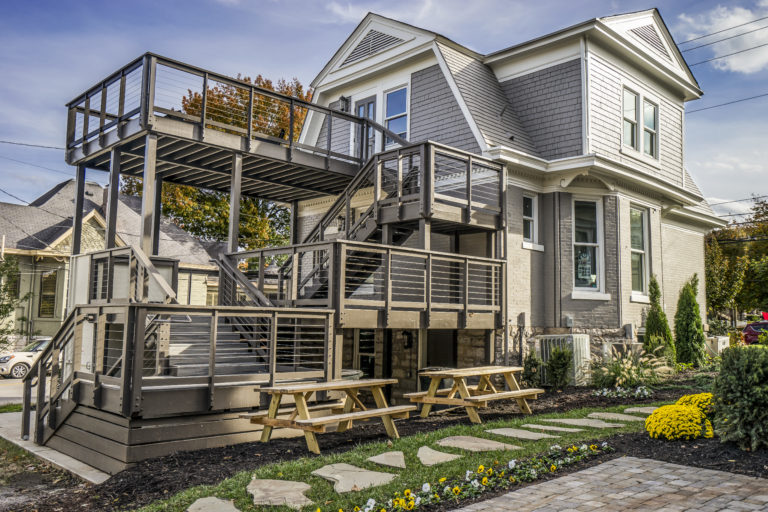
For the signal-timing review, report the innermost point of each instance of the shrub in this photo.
(734, 339)
(702, 401)
(627, 370)
(531, 376)
(673, 422)
(718, 327)
(689, 331)
(657, 332)
(559, 367)
(740, 397)
(762, 339)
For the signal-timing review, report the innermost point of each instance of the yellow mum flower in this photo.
(442, 480)
(456, 490)
(485, 480)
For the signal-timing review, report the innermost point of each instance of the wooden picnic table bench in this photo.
(473, 397)
(353, 408)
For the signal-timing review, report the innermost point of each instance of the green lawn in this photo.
(11, 408)
(413, 477)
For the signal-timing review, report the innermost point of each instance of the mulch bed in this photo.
(163, 477)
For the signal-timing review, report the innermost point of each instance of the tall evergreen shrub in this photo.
(657, 331)
(689, 331)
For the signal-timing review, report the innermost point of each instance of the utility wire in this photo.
(30, 145)
(35, 165)
(754, 198)
(723, 39)
(728, 103)
(728, 55)
(723, 30)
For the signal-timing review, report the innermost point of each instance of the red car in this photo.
(753, 330)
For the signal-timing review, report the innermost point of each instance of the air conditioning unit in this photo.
(578, 344)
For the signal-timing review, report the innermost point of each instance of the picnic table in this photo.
(473, 397)
(300, 417)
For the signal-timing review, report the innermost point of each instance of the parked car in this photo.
(17, 364)
(753, 330)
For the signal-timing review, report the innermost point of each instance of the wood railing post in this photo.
(427, 180)
(148, 74)
(468, 214)
(273, 348)
(399, 175)
(376, 187)
(135, 324)
(387, 285)
(212, 358)
(40, 403)
(249, 128)
(466, 291)
(329, 120)
(203, 106)
(27, 404)
(290, 130)
(428, 290)
(102, 114)
(86, 118)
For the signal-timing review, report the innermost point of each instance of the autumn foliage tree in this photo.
(205, 213)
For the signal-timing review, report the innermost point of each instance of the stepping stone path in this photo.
(552, 428)
(584, 422)
(475, 444)
(279, 492)
(614, 416)
(392, 459)
(347, 478)
(212, 504)
(430, 457)
(640, 410)
(520, 434)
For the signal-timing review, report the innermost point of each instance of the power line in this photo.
(724, 39)
(30, 145)
(753, 198)
(728, 103)
(723, 30)
(35, 165)
(728, 55)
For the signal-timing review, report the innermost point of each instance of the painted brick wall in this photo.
(435, 113)
(548, 103)
(682, 253)
(605, 111)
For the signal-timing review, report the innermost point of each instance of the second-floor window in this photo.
(630, 119)
(640, 126)
(396, 112)
(650, 128)
(638, 227)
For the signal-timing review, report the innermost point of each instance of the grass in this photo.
(415, 474)
(11, 408)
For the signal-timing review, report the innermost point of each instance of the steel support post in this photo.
(112, 198)
(234, 203)
(148, 196)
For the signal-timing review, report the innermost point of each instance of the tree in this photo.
(724, 277)
(9, 300)
(657, 331)
(689, 331)
(205, 213)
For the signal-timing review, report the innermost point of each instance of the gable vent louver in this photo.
(373, 42)
(648, 34)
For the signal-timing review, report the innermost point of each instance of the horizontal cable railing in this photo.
(153, 87)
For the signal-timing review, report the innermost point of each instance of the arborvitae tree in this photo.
(657, 331)
(689, 331)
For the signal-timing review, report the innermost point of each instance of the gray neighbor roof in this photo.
(47, 218)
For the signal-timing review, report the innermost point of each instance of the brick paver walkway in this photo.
(629, 483)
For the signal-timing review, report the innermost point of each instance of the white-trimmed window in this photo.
(630, 108)
(650, 129)
(530, 218)
(396, 112)
(638, 228)
(587, 246)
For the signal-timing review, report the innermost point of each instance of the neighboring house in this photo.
(589, 122)
(39, 235)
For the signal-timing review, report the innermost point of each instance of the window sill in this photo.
(639, 298)
(640, 157)
(533, 247)
(589, 295)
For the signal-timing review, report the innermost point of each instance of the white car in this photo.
(17, 364)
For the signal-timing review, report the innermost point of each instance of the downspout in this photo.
(618, 263)
(584, 97)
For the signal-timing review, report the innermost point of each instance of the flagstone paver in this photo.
(583, 422)
(475, 444)
(552, 428)
(630, 483)
(520, 434)
(212, 504)
(615, 416)
(392, 459)
(347, 477)
(640, 410)
(279, 492)
(430, 457)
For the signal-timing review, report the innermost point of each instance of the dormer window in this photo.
(396, 112)
(630, 119)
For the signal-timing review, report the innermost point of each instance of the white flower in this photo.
(368, 509)
(371, 503)
(468, 475)
(389, 504)
(555, 447)
(533, 473)
(604, 445)
(426, 488)
(583, 448)
(418, 501)
(475, 484)
(512, 464)
(447, 489)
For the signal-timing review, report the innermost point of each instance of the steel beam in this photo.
(234, 202)
(113, 191)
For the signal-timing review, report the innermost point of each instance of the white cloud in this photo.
(721, 18)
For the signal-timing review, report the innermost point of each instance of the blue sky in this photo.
(53, 50)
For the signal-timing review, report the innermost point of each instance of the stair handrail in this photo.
(249, 289)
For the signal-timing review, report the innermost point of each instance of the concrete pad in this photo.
(584, 422)
(279, 492)
(10, 430)
(212, 504)
(616, 416)
(430, 457)
(475, 444)
(391, 459)
(552, 428)
(641, 410)
(520, 434)
(347, 478)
